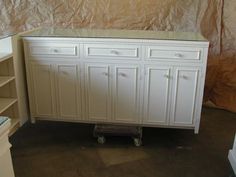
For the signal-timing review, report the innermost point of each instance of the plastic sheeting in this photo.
(221, 75)
(213, 18)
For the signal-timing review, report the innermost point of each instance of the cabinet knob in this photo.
(105, 73)
(115, 52)
(167, 76)
(122, 74)
(55, 50)
(179, 55)
(184, 77)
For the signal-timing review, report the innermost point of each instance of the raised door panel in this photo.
(98, 92)
(43, 90)
(157, 91)
(126, 93)
(112, 51)
(185, 54)
(184, 97)
(68, 92)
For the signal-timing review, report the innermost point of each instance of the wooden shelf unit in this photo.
(8, 94)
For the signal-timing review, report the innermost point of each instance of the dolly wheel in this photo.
(101, 139)
(137, 142)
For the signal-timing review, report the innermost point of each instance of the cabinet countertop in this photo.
(115, 33)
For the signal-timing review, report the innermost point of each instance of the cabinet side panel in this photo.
(18, 55)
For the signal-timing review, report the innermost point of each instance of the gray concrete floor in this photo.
(55, 149)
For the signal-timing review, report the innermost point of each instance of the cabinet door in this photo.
(68, 91)
(157, 89)
(97, 84)
(126, 94)
(43, 86)
(184, 96)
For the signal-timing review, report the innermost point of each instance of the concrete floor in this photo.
(55, 149)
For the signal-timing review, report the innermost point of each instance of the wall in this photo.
(213, 18)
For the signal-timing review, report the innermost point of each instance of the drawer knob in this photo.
(184, 77)
(167, 76)
(122, 74)
(115, 52)
(179, 55)
(55, 50)
(105, 73)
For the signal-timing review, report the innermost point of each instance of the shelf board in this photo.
(5, 79)
(5, 56)
(5, 103)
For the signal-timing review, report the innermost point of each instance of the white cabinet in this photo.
(126, 94)
(157, 94)
(68, 91)
(98, 95)
(155, 83)
(43, 90)
(13, 101)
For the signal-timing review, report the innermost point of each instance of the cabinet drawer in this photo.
(54, 50)
(173, 53)
(112, 51)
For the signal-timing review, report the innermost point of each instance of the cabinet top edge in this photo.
(116, 34)
(3, 36)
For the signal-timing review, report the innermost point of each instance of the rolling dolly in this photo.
(102, 130)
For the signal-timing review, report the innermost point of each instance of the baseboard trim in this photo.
(232, 159)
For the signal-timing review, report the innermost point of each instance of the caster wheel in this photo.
(137, 142)
(101, 139)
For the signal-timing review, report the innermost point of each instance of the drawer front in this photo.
(54, 50)
(173, 53)
(112, 51)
